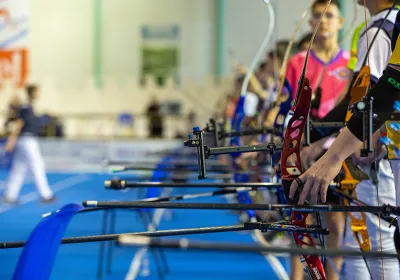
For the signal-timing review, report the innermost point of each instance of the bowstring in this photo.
(304, 70)
(367, 61)
(376, 164)
(287, 56)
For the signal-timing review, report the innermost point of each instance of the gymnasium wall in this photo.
(62, 46)
(62, 34)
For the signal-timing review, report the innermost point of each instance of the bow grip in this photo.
(292, 140)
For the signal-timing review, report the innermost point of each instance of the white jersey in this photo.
(367, 191)
(380, 47)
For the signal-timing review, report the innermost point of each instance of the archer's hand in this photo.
(316, 180)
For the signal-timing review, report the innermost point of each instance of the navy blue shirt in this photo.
(31, 121)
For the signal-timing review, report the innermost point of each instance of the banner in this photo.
(14, 40)
(160, 52)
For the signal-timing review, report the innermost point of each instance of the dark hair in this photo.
(279, 51)
(240, 79)
(30, 90)
(281, 47)
(306, 38)
(262, 66)
(324, 2)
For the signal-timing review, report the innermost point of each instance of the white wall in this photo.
(122, 38)
(61, 39)
(62, 36)
(246, 24)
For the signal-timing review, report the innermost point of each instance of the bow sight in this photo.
(219, 133)
(204, 152)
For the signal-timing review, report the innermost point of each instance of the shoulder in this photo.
(379, 27)
(24, 109)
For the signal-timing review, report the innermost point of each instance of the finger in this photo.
(315, 191)
(324, 190)
(307, 187)
(294, 186)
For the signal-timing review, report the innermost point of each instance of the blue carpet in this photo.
(80, 261)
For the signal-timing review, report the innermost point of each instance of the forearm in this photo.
(344, 145)
(16, 130)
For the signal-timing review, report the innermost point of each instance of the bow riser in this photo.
(294, 131)
(291, 147)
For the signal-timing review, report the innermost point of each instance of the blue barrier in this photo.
(40, 251)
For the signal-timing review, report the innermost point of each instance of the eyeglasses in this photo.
(327, 16)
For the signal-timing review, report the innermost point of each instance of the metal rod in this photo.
(185, 244)
(122, 184)
(389, 219)
(173, 198)
(110, 244)
(244, 149)
(100, 263)
(256, 131)
(385, 209)
(193, 168)
(159, 233)
(180, 161)
(111, 237)
(370, 125)
(177, 176)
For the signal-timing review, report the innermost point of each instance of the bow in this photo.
(291, 148)
(348, 183)
(236, 123)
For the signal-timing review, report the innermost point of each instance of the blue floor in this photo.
(80, 261)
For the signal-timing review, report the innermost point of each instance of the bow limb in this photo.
(253, 81)
(288, 51)
(282, 105)
(358, 225)
(260, 51)
(239, 113)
